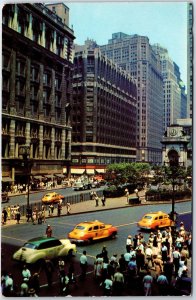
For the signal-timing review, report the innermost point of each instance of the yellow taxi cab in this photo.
(89, 231)
(52, 198)
(155, 220)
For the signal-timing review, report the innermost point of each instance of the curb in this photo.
(23, 219)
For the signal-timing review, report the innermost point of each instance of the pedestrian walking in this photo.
(176, 260)
(97, 200)
(43, 213)
(162, 284)
(35, 209)
(34, 217)
(61, 264)
(34, 283)
(18, 216)
(29, 214)
(136, 192)
(83, 265)
(9, 286)
(147, 284)
(24, 287)
(128, 243)
(68, 206)
(26, 274)
(108, 283)
(51, 209)
(118, 283)
(127, 195)
(104, 252)
(48, 231)
(103, 200)
(164, 252)
(4, 215)
(9, 213)
(49, 269)
(168, 269)
(59, 208)
(40, 217)
(64, 281)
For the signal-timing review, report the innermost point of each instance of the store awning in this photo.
(59, 175)
(90, 171)
(77, 171)
(100, 170)
(6, 179)
(38, 177)
(49, 176)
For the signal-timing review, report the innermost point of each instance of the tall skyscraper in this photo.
(182, 87)
(172, 91)
(134, 54)
(104, 111)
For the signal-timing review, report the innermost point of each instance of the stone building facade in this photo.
(104, 111)
(37, 62)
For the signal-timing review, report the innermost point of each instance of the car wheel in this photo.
(113, 236)
(90, 241)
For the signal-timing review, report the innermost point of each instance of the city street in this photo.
(36, 196)
(125, 219)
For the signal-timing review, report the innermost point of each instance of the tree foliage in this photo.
(128, 172)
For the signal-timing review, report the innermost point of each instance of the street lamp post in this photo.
(24, 151)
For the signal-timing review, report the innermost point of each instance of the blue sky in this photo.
(163, 22)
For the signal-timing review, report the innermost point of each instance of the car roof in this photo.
(41, 240)
(90, 223)
(156, 213)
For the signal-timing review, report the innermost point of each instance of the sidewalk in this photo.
(89, 206)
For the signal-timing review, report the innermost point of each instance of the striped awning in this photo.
(90, 171)
(77, 171)
(59, 175)
(39, 177)
(100, 170)
(6, 179)
(49, 176)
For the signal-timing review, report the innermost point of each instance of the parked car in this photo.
(92, 230)
(81, 185)
(39, 248)
(155, 220)
(4, 197)
(52, 198)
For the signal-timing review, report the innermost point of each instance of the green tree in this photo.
(128, 172)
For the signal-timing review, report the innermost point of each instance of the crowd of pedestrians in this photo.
(11, 212)
(153, 267)
(156, 264)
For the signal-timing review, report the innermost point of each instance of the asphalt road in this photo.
(37, 196)
(125, 219)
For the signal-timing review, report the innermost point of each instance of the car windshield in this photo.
(148, 217)
(29, 245)
(47, 195)
(80, 227)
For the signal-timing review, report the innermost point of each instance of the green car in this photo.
(39, 248)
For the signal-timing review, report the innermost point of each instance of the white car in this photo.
(80, 185)
(37, 249)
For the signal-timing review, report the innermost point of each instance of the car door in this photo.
(161, 221)
(96, 232)
(50, 248)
